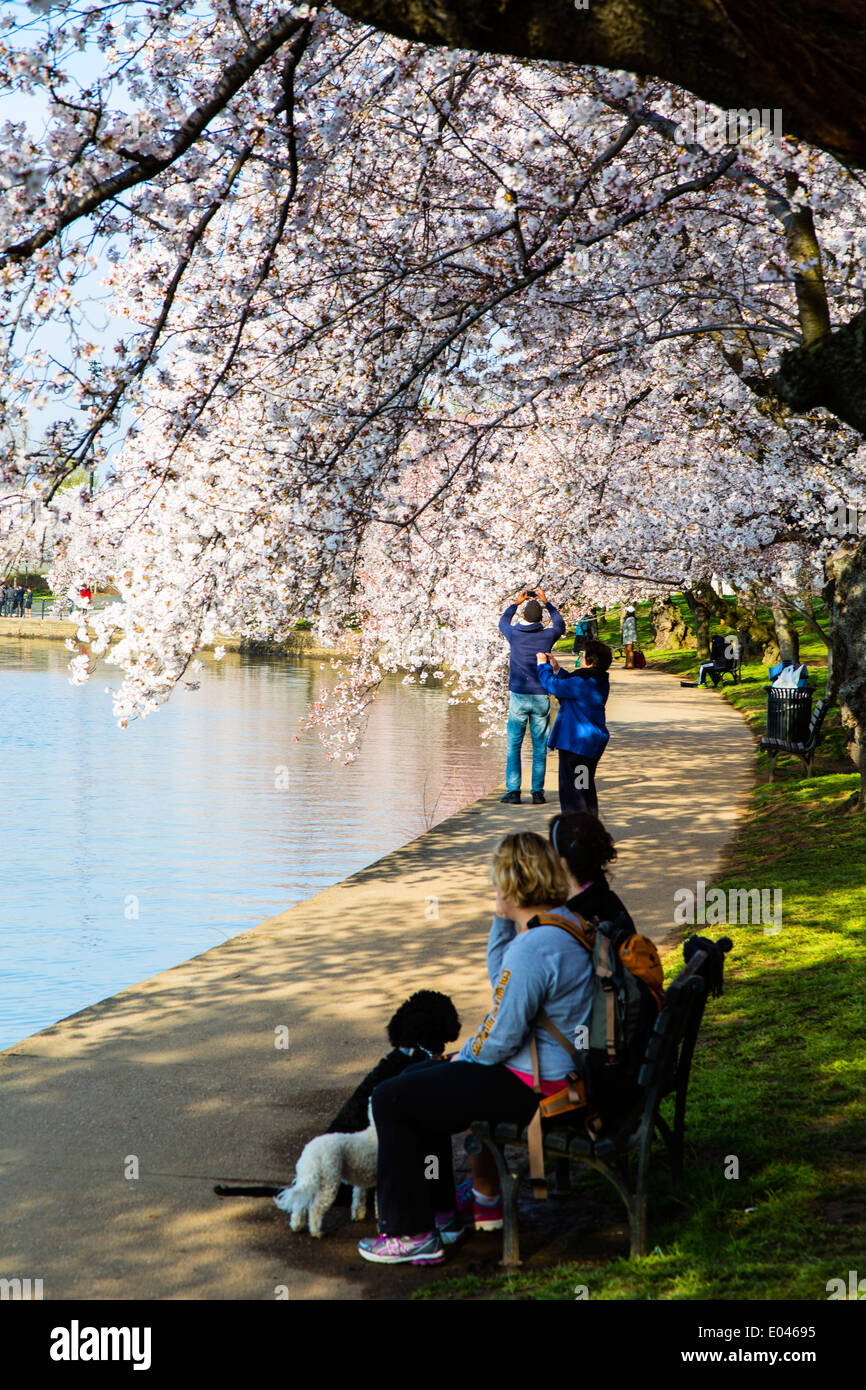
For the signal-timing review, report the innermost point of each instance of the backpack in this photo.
(626, 1000)
(639, 659)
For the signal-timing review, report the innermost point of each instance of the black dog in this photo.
(419, 1030)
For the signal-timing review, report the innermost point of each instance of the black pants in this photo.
(415, 1115)
(581, 797)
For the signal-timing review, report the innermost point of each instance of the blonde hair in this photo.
(528, 872)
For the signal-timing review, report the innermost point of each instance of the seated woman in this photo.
(491, 1077)
(585, 848)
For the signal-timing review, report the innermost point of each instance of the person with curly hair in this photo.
(586, 848)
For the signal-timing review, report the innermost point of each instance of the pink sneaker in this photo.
(396, 1250)
(474, 1213)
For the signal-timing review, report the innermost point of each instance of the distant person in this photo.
(580, 732)
(18, 602)
(584, 629)
(3, 599)
(28, 602)
(527, 701)
(629, 636)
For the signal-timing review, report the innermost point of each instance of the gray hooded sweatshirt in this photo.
(541, 968)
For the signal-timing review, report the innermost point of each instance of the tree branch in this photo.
(236, 75)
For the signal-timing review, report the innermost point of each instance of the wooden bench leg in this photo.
(637, 1205)
(511, 1230)
(562, 1168)
(509, 1185)
(674, 1144)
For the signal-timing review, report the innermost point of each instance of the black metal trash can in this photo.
(788, 714)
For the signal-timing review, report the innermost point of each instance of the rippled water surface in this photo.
(123, 852)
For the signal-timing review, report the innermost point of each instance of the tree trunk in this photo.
(789, 637)
(670, 629)
(845, 596)
(758, 637)
(802, 59)
(701, 618)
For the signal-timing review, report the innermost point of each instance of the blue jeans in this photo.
(535, 709)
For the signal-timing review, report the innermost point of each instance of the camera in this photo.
(530, 593)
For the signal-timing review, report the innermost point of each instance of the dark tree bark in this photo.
(830, 372)
(759, 641)
(789, 637)
(804, 59)
(701, 619)
(670, 629)
(845, 596)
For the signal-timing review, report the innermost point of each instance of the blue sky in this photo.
(103, 327)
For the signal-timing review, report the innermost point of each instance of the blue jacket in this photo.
(525, 641)
(543, 968)
(580, 727)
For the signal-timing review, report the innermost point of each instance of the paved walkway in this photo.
(182, 1074)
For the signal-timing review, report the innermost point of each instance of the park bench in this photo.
(726, 658)
(665, 1071)
(788, 742)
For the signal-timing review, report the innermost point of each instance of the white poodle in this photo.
(324, 1164)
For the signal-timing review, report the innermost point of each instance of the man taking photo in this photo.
(528, 702)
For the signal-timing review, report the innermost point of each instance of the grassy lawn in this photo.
(778, 1075)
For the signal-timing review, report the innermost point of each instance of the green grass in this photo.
(749, 697)
(777, 1082)
(778, 1075)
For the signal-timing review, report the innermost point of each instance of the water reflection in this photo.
(123, 852)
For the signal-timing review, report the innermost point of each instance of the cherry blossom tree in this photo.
(406, 325)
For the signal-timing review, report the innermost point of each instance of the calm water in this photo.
(124, 852)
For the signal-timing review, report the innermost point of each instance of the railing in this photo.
(46, 605)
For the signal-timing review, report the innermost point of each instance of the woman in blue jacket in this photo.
(580, 732)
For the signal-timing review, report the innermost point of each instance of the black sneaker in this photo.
(539, 799)
(512, 798)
